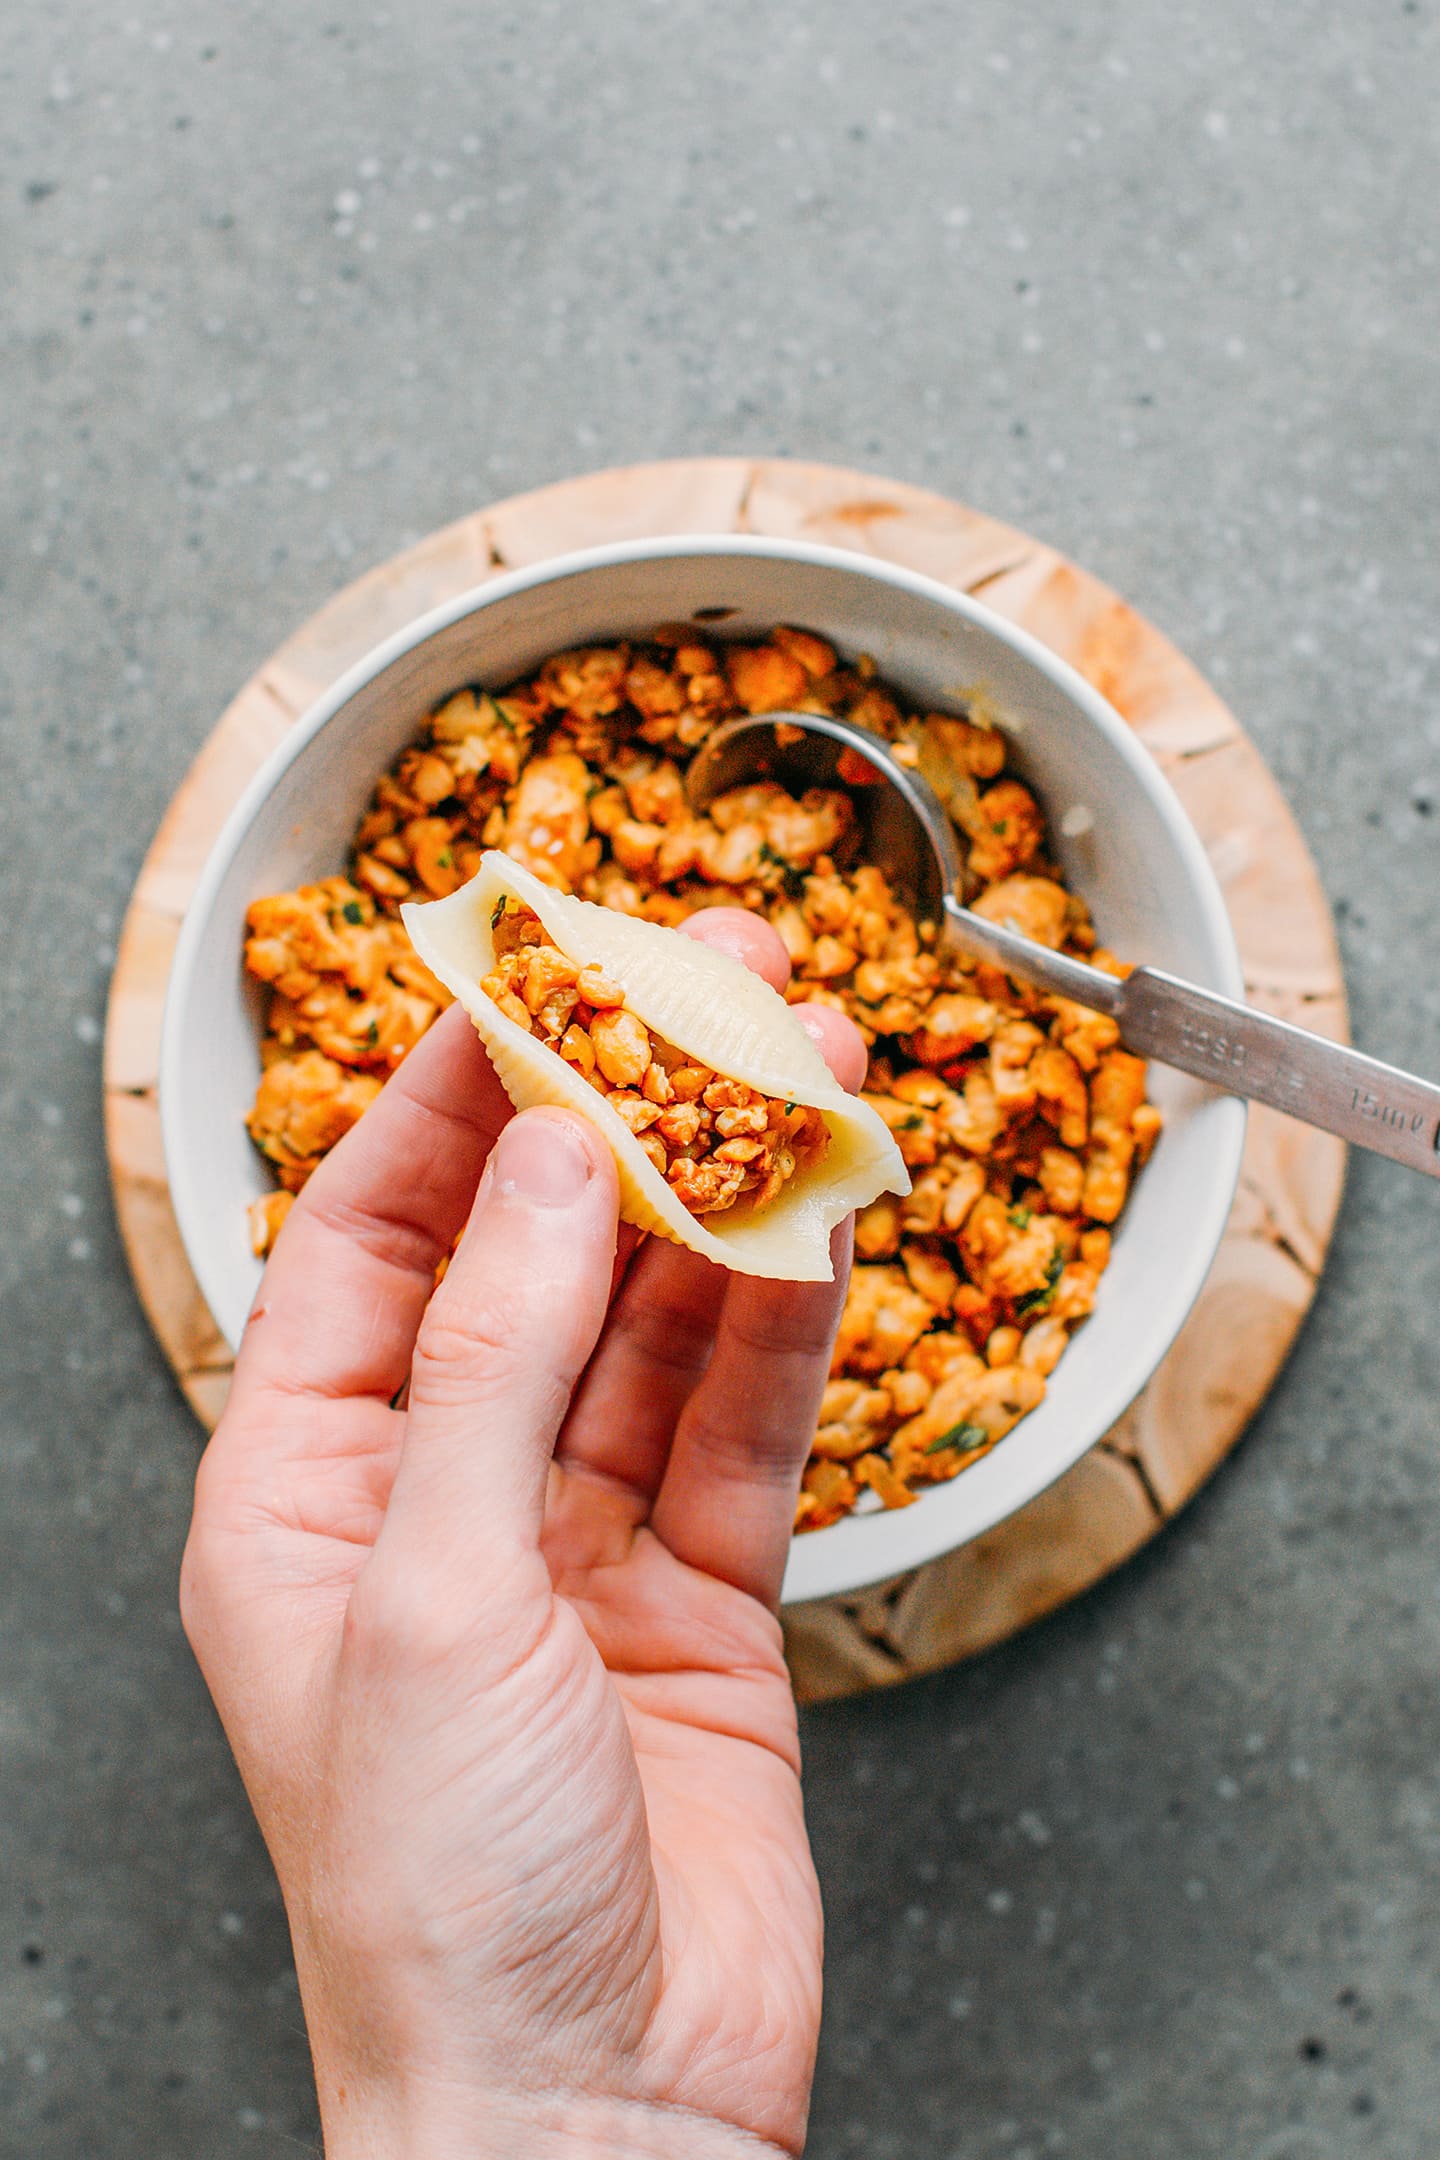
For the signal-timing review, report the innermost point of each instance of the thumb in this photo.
(503, 1342)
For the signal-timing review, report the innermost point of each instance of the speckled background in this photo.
(284, 287)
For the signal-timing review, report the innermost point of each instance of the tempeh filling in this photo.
(717, 1142)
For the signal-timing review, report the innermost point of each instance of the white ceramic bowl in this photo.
(1140, 867)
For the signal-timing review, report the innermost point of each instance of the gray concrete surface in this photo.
(285, 285)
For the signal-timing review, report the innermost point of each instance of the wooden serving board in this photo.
(1264, 1276)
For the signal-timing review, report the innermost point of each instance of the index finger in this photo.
(759, 946)
(663, 1322)
(726, 1503)
(341, 1300)
(748, 938)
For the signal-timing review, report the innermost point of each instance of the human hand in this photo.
(501, 1669)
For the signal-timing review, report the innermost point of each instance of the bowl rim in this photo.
(905, 1546)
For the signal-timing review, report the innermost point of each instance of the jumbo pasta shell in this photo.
(701, 1002)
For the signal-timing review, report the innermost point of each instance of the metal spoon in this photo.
(1241, 1051)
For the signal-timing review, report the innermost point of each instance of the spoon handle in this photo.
(1242, 1051)
(1248, 1053)
(1030, 962)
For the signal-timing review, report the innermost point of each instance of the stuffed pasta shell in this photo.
(729, 1132)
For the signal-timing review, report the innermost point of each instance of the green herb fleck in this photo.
(1038, 1301)
(788, 1108)
(497, 911)
(962, 1437)
(792, 879)
(910, 1124)
(372, 1034)
(446, 859)
(1021, 1217)
(353, 912)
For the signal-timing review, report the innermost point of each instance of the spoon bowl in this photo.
(902, 820)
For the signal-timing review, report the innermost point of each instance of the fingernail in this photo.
(542, 1160)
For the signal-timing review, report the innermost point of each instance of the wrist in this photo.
(478, 2125)
(575, 2128)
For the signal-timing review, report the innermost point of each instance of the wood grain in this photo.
(1260, 1288)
